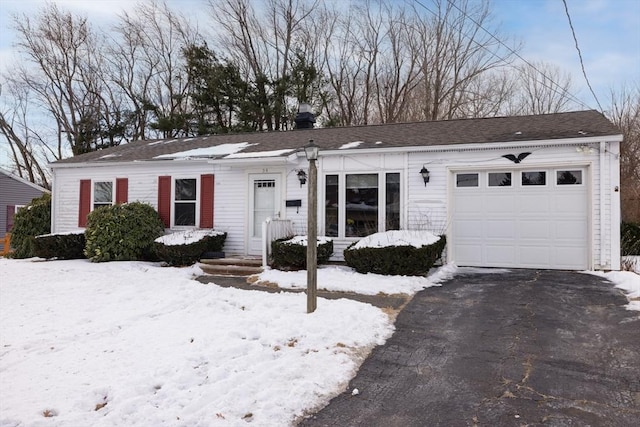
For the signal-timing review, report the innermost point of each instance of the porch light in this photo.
(425, 175)
(302, 177)
(311, 150)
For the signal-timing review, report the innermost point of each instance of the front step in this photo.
(231, 266)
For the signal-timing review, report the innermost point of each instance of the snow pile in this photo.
(415, 238)
(186, 237)
(345, 279)
(629, 282)
(135, 344)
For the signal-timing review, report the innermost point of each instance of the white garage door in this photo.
(521, 218)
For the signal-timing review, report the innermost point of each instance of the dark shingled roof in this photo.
(577, 124)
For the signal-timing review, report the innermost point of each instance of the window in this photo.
(569, 177)
(102, 194)
(185, 202)
(392, 200)
(466, 180)
(499, 179)
(534, 178)
(358, 205)
(361, 205)
(331, 205)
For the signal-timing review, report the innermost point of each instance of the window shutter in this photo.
(85, 202)
(122, 190)
(206, 201)
(11, 212)
(164, 199)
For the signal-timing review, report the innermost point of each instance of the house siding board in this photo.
(13, 193)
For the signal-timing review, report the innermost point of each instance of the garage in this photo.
(521, 218)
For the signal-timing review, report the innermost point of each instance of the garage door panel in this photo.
(534, 229)
(528, 227)
(471, 229)
(501, 204)
(533, 204)
(500, 228)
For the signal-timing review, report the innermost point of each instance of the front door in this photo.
(264, 202)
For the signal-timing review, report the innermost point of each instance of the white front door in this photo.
(264, 202)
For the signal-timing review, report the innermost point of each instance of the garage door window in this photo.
(467, 180)
(499, 179)
(534, 178)
(569, 177)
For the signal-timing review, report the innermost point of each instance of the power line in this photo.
(563, 91)
(575, 39)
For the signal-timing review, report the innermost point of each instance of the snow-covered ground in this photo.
(137, 344)
(628, 281)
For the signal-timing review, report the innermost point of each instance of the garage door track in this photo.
(518, 348)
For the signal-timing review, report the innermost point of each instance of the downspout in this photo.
(603, 214)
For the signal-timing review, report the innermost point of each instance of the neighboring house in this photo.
(15, 192)
(530, 191)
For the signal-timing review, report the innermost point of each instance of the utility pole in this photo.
(311, 151)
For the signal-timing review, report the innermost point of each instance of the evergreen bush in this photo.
(186, 247)
(629, 239)
(290, 253)
(395, 260)
(122, 232)
(61, 246)
(31, 221)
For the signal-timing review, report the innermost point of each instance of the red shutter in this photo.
(206, 201)
(85, 202)
(122, 190)
(11, 212)
(164, 199)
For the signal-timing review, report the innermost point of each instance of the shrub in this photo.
(630, 238)
(122, 232)
(30, 221)
(61, 246)
(187, 247)
(290, 253)
(403, 260)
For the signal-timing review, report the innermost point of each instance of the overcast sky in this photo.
(608, 33)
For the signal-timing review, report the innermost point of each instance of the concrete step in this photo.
(236, 266)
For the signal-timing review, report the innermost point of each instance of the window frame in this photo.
(582, 177)
(342, 200)
(478, 180)
(196, 202)
(93, 193)
(510, 173)
(546, 178)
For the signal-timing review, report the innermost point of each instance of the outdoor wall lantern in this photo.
(425, 175)
(302, 177)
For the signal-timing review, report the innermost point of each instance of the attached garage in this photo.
(521, 218)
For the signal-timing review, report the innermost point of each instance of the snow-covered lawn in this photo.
(136, 344)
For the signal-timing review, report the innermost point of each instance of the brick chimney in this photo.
(305, 118)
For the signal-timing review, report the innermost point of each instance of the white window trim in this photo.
(342, 200)
(173, 203)
(93, 187)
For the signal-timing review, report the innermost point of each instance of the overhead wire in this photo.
(561, 91)
(575, 39)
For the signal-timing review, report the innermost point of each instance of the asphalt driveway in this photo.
(524, 348)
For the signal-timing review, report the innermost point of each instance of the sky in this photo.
(608, 33)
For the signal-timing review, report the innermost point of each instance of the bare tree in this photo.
(542, 88)
(625, 113)
(63, 72)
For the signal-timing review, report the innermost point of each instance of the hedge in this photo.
(32, 220)
(61, 246)
(186, 247)
(290, 253)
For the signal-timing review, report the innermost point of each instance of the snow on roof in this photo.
(415, 238)
(274, 153)
(353, 144)
(219, 150)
